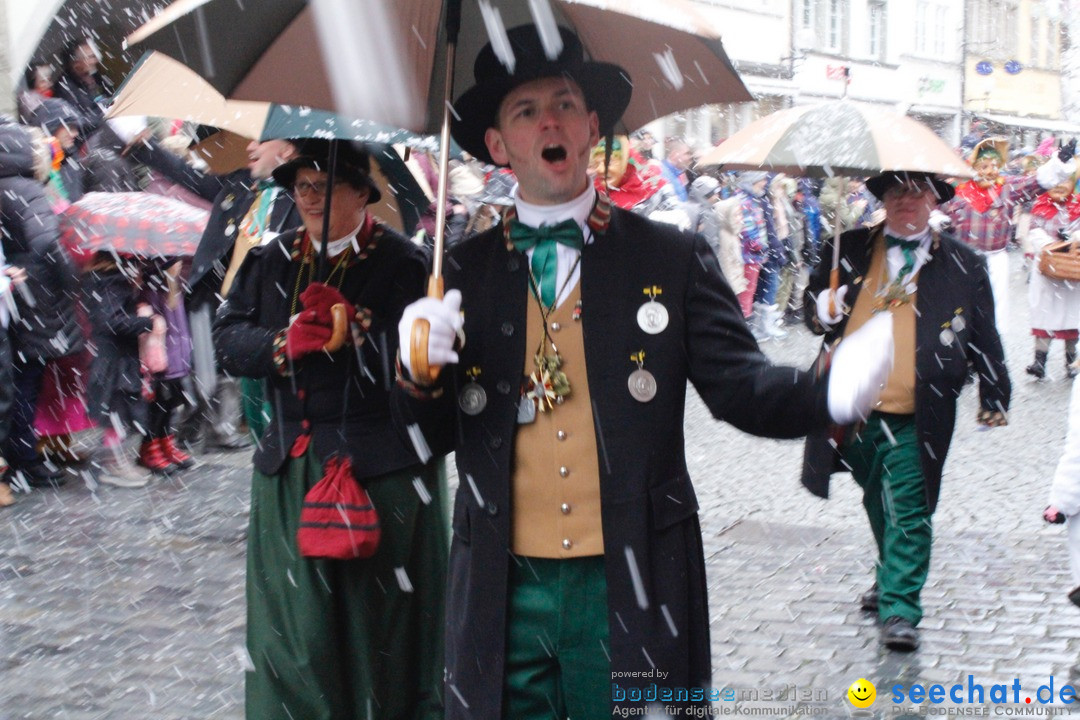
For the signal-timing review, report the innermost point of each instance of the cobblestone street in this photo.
(125, 604)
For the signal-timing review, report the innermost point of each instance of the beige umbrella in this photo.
(836, 139)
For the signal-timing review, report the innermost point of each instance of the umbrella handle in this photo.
(418, 348)
(340, 317)
(834, 285)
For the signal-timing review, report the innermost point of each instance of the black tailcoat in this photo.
(348, 392)
(954, 329)
(649, 509)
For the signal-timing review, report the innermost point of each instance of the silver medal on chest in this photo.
(473, 399)
(652, 317)
(642, 385)
(526, 412)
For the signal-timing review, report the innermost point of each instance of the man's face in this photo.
(264, 157)
(680, 156)
(545, 134)
(987, 170)
(617, 166)
(66, 136)
(346, 207)
(84, 61)
(907, 207)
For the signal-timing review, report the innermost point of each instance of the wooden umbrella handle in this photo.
(834, 285)
(421, 371)
(340, 317)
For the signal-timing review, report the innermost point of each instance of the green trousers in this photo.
(347, 639)
(886, 465)
(256, 407)
(557, 646)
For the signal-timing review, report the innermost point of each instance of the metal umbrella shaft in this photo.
(420, 369)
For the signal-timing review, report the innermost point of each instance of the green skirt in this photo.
(347, 639)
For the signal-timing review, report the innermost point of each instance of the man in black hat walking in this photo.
(577, 575)
(350, 634)
(938, 292)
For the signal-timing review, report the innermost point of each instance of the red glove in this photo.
(306, 334)
(320, 297)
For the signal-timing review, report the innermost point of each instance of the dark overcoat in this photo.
(649, 509)
(348, 392)
(115, 382)
(46, 326)
(954, 330)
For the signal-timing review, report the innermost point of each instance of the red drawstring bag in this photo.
(337, 519)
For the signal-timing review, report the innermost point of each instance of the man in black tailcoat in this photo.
(577, 575)
(938, 293)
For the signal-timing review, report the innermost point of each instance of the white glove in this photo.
(939, 221)
(823, 315)
(1054, 172)
(861, 364)
(127, 128)
(446, 321)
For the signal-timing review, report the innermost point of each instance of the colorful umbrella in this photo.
(133, 223)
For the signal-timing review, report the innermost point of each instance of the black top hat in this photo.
(607, 87)
(880, 184)
(353, 164)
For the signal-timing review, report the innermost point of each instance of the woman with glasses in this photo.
(344, 603)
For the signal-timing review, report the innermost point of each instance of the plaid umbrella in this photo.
(133, 223)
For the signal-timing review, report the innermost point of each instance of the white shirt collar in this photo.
(577, 209)
(336, 247)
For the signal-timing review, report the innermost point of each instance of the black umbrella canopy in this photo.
(388, 55)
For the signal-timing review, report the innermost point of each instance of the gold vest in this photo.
(898, 397)
(555, 483)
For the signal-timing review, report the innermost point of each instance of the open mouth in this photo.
(553, 153)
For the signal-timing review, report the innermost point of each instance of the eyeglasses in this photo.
(303, 188)
(909, 189)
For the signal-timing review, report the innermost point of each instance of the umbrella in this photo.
(162, 87)
(384, 60)
(834, 139)
(837, 138)
(133, 223)
(674, 56)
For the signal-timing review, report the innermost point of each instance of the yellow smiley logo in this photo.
(862, 693)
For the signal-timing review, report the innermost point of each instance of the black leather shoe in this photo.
(1074, 596)
(38, 474)
(900, 635)
(868, 601)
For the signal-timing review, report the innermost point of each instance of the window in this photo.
(877, 29)
(1035, 58)
(941, 25)
(922, 27)
(806, 17)
(1053, 44)
(834, 25)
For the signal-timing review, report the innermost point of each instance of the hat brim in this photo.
(879, 184)
(606, 88)
(285, 175)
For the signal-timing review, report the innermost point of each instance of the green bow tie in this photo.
(908, 247)
(545, 260)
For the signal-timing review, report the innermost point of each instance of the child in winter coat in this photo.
(165, 298)
(114, 390)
